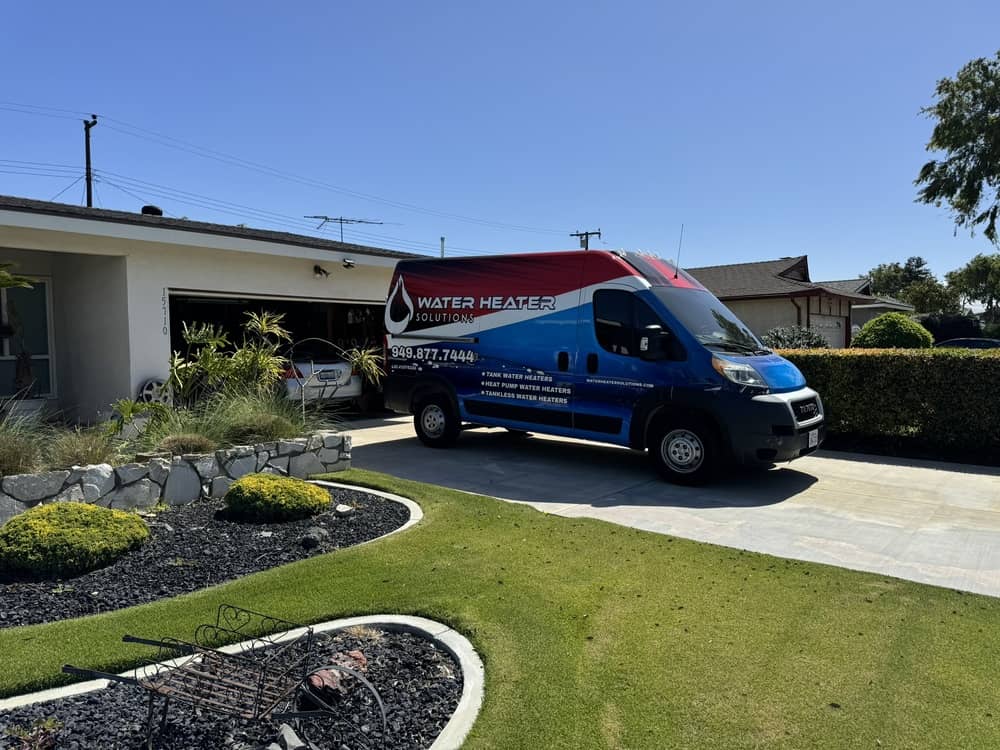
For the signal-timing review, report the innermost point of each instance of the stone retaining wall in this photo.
(177, 480)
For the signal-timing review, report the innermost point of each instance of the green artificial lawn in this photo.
(594, 635)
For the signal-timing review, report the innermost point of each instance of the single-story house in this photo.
(865, 311)
(772, 293)
(112, 289)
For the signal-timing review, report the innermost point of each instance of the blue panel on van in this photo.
(778, 373)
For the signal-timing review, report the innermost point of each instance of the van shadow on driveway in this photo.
(553, 473)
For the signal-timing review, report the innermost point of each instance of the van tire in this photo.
(686, 451)
(436, 422)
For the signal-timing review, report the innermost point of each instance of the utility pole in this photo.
(585, 237)
(340, 220)
(87, 125)
(442, 247)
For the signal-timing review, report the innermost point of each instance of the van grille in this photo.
(805, 410)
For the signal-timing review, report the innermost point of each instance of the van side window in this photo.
(613, 320)
(620, 319)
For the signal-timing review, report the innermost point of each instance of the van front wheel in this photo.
(436, 422)
(686, 452)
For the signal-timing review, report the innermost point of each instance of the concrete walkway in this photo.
(926, 521)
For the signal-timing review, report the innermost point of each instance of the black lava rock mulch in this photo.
(419, 684)
(191, 547)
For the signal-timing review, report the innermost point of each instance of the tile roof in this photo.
(29, 205)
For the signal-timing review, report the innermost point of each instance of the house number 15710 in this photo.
(166, 330)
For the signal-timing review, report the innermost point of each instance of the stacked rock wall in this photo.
(174, 480)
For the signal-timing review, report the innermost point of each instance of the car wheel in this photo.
(686, 451)
(436, 422)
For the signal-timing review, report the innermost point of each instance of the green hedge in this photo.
(937, 399)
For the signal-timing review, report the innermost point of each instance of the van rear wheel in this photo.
(436, 423)
(686, 451)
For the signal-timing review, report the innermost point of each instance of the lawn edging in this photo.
(416, 512)
(456, 644)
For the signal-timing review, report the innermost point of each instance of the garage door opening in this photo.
(346, 324)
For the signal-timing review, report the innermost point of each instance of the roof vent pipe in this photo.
(151, 211)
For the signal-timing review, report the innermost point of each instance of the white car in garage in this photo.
(315, 376)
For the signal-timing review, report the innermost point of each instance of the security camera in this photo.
(348, 263)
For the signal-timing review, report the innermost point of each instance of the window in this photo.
(620, 320)
(26, 320)
(613, 320)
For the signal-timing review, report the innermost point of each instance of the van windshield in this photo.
(709, 321)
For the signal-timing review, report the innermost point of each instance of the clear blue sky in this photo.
(768, 128)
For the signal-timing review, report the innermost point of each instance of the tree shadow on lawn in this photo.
(551, 473)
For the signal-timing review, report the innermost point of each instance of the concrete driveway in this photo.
(926, 521)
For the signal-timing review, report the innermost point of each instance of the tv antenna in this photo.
(677, 265)
(340, 220)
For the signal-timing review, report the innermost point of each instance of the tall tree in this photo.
(979, 281)
(891, 279)
(968, 131)
(931, 296)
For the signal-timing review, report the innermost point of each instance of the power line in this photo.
(171, 142)
(66, 188)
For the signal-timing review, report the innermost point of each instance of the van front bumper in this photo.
(777, 427)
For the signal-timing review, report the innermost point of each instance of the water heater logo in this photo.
(398, 309)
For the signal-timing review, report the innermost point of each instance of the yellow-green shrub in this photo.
(937, 397)
(270, 498)
(64, 539)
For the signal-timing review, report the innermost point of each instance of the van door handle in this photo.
(562, 361)
(592, 363)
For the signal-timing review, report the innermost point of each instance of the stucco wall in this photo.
(92, 343)
(154, 270)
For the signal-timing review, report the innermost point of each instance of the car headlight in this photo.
(739, 373)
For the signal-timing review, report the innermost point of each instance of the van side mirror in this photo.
(654, 343)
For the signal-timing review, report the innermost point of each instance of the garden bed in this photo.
(192, 547)
(419, 683)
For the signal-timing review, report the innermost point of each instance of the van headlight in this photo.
(739, 373)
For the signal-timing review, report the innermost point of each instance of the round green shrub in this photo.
(65, 539)
(794, 337)
(892, 331)
(187, 442)
(269, 498)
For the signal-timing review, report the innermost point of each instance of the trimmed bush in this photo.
(892, 330)
(269, 498)
(65, 539)
(944, 326)
(937, 399)
(794, 337)
(186, 442)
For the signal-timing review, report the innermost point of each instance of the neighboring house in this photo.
(112, 289)
(862, 313)
(773, 293)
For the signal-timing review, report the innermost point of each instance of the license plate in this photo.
(329, 375)
(813, 438)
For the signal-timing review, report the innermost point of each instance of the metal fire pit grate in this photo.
(268, 681)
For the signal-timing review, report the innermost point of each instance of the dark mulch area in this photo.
(419, 684)
(986, 454)
(191, 547)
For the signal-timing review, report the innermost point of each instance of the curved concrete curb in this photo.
(416, 512)
(450, 738)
